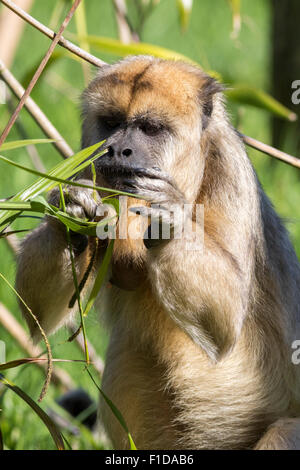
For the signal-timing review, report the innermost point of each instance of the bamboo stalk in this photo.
(37, 114)
(31, 149)
(11, 29)
(273, 152)
(51, 34)
(124, 29)
(38, 72)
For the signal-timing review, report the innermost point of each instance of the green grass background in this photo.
(207, 41)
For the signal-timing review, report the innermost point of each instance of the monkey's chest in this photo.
(170, 394)
(127, 275)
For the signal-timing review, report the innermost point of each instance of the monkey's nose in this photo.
(112, 152)
(127, 152)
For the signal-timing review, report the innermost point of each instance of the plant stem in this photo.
(75, 280)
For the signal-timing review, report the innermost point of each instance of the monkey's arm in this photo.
(204, 291)
(202, 284)
(44, 273)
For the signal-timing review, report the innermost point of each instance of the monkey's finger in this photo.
(85, 201)
(154, 173)
(155, 191)
(74, 210)
(146, 184)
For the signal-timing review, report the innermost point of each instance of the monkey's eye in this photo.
(151, 128)
(110, 123)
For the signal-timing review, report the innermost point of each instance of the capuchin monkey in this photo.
(202, 329)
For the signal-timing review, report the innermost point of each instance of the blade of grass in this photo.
(56, 435)
(99, 278)
(260, 99)
(24, 143)
(114, 46)
(49, 353)
(50, 176)
(116, 412)
(64, 169)
(12, 232)
(58, 174)
(16, 206)
(32, 360)
(96, 287)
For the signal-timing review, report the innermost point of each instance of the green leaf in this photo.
(55, 57)
(76, 225)
(56, 435)
(116, 47)
(39, 204)
(252, 96)
(23, 143)
(60, 173)
(15, 206)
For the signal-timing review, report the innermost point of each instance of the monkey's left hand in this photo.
(167, 211)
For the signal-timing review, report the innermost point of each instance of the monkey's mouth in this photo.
(115, 175)
(120, 171)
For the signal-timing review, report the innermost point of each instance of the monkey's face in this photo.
(151, 115)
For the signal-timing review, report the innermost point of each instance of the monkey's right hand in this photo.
(81, 203)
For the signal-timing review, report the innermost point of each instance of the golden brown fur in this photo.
(200, 348)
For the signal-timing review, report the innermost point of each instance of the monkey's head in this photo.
(152, 114)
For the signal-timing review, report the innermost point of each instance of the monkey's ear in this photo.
(209, 86)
